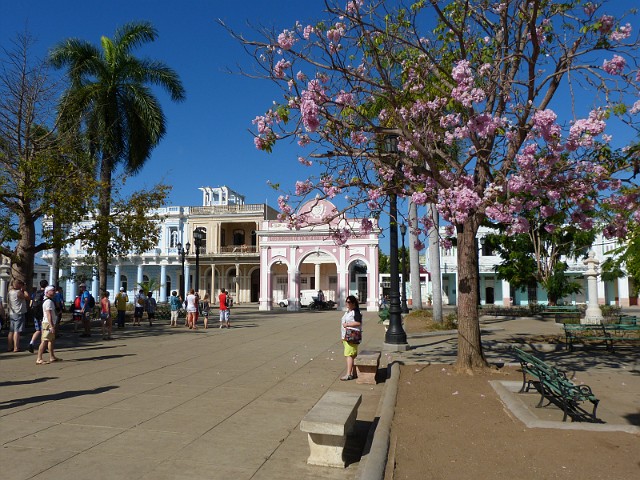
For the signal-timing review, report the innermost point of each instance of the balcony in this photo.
(228, 209)
(239, 249)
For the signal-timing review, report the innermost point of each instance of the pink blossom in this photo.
(308, 30)
(589, 8)
(606, 24)
(636, 107)
(303, 187)
(303, 140)
(305, 162)
(345, 98)
(544, 121)
(353, 6)
(341, 236)
(359, 138)
(366, 226)
(286, 39)
(280, 67)
(259, 142)
(621, 33)
(615, 65)
(301, 76)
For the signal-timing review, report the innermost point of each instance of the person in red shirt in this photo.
(223, 301)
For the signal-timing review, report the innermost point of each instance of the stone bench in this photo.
(367, 363)
(327, 425)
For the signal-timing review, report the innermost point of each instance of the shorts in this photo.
(138, 311)
(104, 316)
(224, 315)
(47, 334)
(36, 324)
(16, 324)
(151, 315)
(350, 349)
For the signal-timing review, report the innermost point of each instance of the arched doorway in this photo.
(358, 280)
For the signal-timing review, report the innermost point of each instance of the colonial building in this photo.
(243, 248)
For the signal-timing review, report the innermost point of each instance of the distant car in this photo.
(284, 302)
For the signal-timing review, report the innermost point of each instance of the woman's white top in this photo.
(191, 303)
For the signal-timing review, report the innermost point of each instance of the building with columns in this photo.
(309, 258)
(243, 249)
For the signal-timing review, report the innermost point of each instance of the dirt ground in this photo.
(450, 426)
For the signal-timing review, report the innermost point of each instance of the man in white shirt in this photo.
(49, 324)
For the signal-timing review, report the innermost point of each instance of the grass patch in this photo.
(419, 321)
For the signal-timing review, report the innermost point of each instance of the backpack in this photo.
(77, 302)
(228, 301)
(91, 302)
(36, 305)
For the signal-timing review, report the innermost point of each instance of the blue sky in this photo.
(207, 140)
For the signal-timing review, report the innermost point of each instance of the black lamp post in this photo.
(182, 252)
(403, 231)
(197, 241)
(396, 337)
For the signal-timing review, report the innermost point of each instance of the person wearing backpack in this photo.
(87, 309)
(38, 313)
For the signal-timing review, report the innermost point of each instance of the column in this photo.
(116, 280)
(266, 288)
(373, 304)
(506, 294)
(238, 279)
(163, 283)
(214, 290)
(139, 278)
(593, 315)
(73, 285)
(623, 292)
(94, 287)
(50, 274)
(187, 283)
(316, 274)
(343, 279)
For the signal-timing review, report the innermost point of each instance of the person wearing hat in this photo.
(49, 324)
(121, 306)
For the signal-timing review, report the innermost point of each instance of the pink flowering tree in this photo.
(494, 104)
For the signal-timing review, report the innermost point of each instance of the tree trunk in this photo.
(23, 256)
(470, 355)
(104, 212)
(434, 264)
(414, 259)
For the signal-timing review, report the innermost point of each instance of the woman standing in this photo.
(192, 309)
(105, 316)
(351, 333)
(206, 306)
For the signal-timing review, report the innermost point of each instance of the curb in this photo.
(372, 465)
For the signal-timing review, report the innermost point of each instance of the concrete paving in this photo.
(171, 403)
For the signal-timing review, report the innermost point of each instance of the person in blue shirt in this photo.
(86, 311)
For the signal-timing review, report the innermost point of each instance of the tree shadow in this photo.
(102, 357)
(26, 382)
(19, 402)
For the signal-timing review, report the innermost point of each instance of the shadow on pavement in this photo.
(53, 396)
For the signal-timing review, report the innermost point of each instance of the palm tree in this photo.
(110, 101)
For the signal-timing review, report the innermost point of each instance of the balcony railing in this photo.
(224, 209)
(239, 249)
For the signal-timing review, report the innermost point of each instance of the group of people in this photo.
(194, 307)
(47, 305)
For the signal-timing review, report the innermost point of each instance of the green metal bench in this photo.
(554, 386)
(580, 333)
(626, 329)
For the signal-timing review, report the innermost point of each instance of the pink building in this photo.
(309, 258)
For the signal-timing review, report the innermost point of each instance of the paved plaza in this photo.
(162, 403)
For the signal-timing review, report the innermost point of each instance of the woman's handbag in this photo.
(352, 336)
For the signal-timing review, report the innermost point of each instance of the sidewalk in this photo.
(161, 403)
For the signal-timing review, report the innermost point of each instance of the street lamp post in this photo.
(182, 252)
(395, 338)
(197, 241)
(405, 309)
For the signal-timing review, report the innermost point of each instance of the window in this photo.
(123, 282)
(173, 237)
